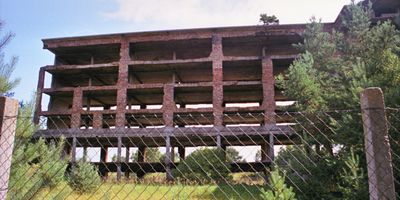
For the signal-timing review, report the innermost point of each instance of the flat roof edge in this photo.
(176, 31)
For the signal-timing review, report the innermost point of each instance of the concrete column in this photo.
(66, 153)
(221, 145)
(218, 91)
(172, 154)
(271, 151)
(140, 159)
(122, 84)
(88, 103)
(85, 154)
(38, 105)
(141, 154)
(103, 154)
(127, 154)
(119, 151)
(168, 157)
(73, 150)
(103, 159)
(267, 150)
(181, 152)
(76, 108)
(168, 117)
(219, 141)
(268, 83)
(377, 146)
(264, 152)
(8, 122)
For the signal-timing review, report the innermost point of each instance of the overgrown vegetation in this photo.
(205, 165)
(35, 164)
(268, 19)
(278, 190)
(151, 155)
(330, 74)
(84, 177)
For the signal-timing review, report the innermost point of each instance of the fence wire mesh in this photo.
(318, 155)
(393, 118)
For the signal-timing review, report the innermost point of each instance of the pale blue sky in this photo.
(33, 20)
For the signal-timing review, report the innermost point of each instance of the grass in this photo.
(154, 186)
(147, 191)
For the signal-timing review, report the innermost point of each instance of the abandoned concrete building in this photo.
(172, 89)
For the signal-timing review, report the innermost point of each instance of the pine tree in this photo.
(330, 74)
(34, 164)
(6, 68)
(84, 177)
(278, 189)
(37, 164)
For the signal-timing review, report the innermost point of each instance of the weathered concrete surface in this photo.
(8, 122)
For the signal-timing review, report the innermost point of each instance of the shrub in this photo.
(354, 182)
(35, 165)
(310, 175)
(204, 166)
(278, 189)
(52, 167)
(84, 177)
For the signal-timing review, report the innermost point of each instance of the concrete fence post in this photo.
(377, 146)
(8, 122)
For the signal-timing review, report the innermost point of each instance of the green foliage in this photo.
(333, 69)
(267, 19)
(6, 68)
(357, 21)
(278, 189)
(34, 164)
(84, 177)
(204, 166)
(114, 158)
(354, 182)
(164, 156)
(312, 176)
(52, 167)
(151, 155)
(232, 155)
(304, 85)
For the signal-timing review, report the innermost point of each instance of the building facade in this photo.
(172, 89)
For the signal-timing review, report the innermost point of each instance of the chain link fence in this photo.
(393, 121)
(306, 155)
